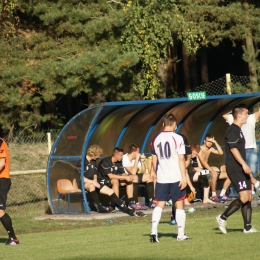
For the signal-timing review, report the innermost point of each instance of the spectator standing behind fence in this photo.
(5, 184)
(93, 186)
(168, 152)
(248, 130)
(238, 171)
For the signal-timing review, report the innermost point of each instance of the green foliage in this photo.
(63, 48)
(8, 19)
(219, 20)
(252, 57)
(238, 88)
(149, 31)
(109, 50)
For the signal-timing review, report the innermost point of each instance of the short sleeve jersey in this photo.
(248, 130)
(90, 169)
(106, 166)
(127, 163)
(234, 138)
(167, 146)
(5, 172)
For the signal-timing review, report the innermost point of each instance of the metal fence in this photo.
(28, 157)
(28, 194)
(229, 84)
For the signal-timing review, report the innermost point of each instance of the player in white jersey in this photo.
(168, 160)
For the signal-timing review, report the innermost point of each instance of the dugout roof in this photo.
(117, 124)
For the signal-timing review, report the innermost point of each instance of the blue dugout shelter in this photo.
(117, 124)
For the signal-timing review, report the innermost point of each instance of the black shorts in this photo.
(105, 182)
(240, 180)
(5, 185)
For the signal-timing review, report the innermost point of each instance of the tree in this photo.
(63, 48)
(234, 21)
(149, 32)
(249, 49)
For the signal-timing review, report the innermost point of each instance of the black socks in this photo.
(7, 223)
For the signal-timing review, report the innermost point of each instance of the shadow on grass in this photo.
(3, 240)
(166, 222)
(229, 230)
(160, 235)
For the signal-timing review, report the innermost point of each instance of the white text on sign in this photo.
(196, 95)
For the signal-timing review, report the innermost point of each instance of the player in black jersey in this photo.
(238, 171)
(111, 171)
(92, 184)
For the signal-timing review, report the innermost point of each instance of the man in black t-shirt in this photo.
(238, 171)
(111, 172)
(92, 184)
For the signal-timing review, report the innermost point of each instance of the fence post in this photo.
(49, 142)
(228, 83)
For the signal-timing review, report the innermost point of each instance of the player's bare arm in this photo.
(96, 184)
(153, 167)
(218, 149)
(240, 160)
(187, 162)
(189, 183)
(225, 116)
(183, 182)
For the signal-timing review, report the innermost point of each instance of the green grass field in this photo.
(128, 238)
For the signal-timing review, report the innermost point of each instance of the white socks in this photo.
(157, 213)
(222, 193)
(180, 216)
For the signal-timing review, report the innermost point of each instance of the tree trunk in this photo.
(170, 83)
(175, 60)
(69, 113)
(37, 113)
(204, 66)
(251, 53)
(162, 74)
(193, 71)
(186, 69)
(50, 108)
